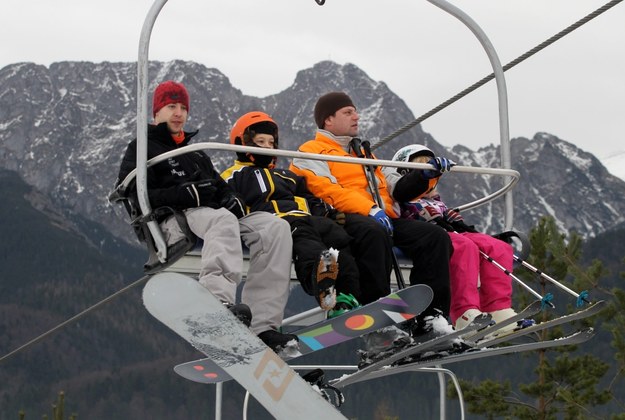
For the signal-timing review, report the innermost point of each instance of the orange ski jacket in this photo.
(342, 185)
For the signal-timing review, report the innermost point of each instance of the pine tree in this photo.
(58, 410)
(567, 384)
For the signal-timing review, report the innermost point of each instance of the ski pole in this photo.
(581, 297)
(356, 146)
(546, 300)
(374, 185)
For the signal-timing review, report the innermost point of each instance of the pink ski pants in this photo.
(475, 282)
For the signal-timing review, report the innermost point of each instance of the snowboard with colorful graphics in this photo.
(389, 310)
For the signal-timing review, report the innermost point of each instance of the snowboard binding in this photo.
(331, 394)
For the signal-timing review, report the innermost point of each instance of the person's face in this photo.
(344, 122)
(424, 159)
(175, 115)
(420, 159)
(264, 140)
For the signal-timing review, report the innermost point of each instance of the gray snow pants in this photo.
(266, 289)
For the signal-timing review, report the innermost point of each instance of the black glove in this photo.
(234, 204)
(197, 193)
(337, 216)
(461, 226)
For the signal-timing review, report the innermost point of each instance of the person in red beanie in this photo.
(189, 185)
(170, 92)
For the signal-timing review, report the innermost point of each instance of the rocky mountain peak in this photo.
(66, 126)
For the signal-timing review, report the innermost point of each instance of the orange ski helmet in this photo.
(244, 125)
(244, 130)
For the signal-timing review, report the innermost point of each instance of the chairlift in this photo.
(183, 257)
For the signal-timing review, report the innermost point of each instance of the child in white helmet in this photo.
(477, 286)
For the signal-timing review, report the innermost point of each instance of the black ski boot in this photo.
(241, 311)
(432, 324)
(328, 392)
(279, 342)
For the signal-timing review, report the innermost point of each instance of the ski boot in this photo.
(344, 303)
(503, 314)
(331, 394)
(382, 343)
(466, 318)
(430, 325)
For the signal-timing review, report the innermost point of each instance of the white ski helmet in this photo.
(406, 153)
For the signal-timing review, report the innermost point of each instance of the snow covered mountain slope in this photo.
(64, 128)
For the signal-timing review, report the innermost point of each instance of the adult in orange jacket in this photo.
(375, 230)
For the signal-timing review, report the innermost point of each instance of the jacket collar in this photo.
(162, 134)
(342, 141)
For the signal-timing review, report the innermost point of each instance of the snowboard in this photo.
(389, 310)
(191, 311)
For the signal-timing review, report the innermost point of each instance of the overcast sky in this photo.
(574, 89)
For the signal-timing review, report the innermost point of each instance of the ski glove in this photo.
(427, 211)
(197, 194)
(452, 216)
(235, 205)
(441, 164)
(381, 217)
(338, 217)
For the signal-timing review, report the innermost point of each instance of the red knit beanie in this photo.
(169, 92)
(328, 104)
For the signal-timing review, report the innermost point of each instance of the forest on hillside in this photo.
(116, 361)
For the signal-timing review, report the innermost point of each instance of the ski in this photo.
(529, 311)
(191, 311)
(421, 347)
(581, 314)
(396, 307)
(472, 354)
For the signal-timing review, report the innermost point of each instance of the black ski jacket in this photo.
(164, 179)
(277, 191)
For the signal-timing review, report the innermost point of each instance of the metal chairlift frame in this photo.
(140, 173)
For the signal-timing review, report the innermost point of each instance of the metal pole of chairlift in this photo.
(218, 399)
(142, 124)
(142, 113)
(503, 105)
(504, 130)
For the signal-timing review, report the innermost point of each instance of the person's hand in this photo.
(441, 165)
(427, 211)
(235, 205)
(452, 216)
(380, 216)
(198, 193)
(338, 217)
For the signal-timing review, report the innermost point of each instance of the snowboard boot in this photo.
(279, 342)
(325, 278)
(344, 303)
(241, 311)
